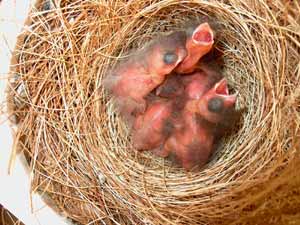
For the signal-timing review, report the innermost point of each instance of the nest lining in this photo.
(80, 150)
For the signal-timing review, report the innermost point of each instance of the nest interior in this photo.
(79, 149)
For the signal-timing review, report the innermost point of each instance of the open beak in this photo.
(203, 35)
(221, 89)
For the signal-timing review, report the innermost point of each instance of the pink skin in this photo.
(192, 86)
(152, 128)
(192, 142)
(135, 78)
(196, 85)
(220, 90)
(199, 44)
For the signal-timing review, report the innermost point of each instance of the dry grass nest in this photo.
(79, 149)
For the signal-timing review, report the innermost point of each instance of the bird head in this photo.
(216, 102)
(166, 53)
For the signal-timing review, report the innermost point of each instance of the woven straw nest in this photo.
(79, 149)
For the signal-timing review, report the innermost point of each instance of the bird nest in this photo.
(80, 151)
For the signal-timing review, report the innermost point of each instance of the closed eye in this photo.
(170, 58)
(215, 105)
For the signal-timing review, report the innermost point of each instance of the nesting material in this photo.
(79, 149)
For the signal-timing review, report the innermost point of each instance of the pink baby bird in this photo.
(199, 42)
(209, 72)
(193, 140)
(151, 129)
(131, 81)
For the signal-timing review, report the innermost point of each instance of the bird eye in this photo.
(215, 105)
(170, 58)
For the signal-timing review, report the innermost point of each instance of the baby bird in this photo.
(190, 86)
(135, 78)
(199, 42)
(208, 72)
(151, 129)
(193, 139)
(198, 83)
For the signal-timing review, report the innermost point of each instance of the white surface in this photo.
(14, 188)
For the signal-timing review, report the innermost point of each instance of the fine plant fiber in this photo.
(79, 149)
